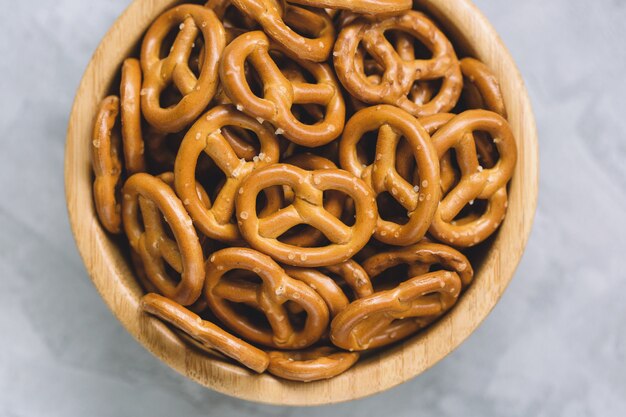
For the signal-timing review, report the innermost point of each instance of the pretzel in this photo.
(420, 257)
(160, 72)
(269, 297)
(107, 167)
(372, 7)
(277, 21)
(420, 200)
(130, 106)
(476, 182)
(307, 208)
(312, 365)
(206, 136)
(481, 87)
(399, 75)
(369, 322)
(481, 90)
(205, 332)
(279, 93)
(333, 203)
(326, 287)
(156, 201)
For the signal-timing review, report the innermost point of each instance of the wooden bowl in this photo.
(109, 268)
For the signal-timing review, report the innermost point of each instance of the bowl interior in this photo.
(110, 271)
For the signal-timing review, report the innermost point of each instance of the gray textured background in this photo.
(554, 346)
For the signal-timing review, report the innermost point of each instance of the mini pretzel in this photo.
(130, 106)
(399, 75)
(481, 90)
(325, 286)
(156, 201)
(307, 208)
(107, 167)
(206, 136)
(159, 72)
(277, 20)
(360, 6)
(205, 332)
(476, 182)
(312, 365)
(333, 203)
(280, 94)
(481, 87)
(269, 297)
(362, 323)
(420, 200)
(423, 255)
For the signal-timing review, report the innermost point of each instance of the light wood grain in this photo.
(110, 272)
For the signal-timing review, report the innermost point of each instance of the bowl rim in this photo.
(110, 272)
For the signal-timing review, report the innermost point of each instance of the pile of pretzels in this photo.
(312, 169)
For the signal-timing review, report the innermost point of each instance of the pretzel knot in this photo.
(277, 20)
(333, 203)
(206, 136)
(312, 365)
(280, 94)
(156, 201)
(269, 297)
(174, 68)
(476, 182)
(371, 7)
(420, 199)
(399, 74)
(388, 316)
(204, 332)
(307, 208)
(107, 166)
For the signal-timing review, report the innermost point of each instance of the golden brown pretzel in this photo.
(269, 297)
(423, 255)
(107, 167)
(325, 286)
(369, 322)
(280, 94)
(205, 332)
(156, 202)
(311, 365)
(307, 208)
(206, 136)
(481, 90)
(159, 72)
(130, 111)
(476, 182)
(333, 203)
(277, 21)
(481, 87)
(399, 75)
(360, 6)
(420, 200)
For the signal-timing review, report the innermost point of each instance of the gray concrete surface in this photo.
(554, 346)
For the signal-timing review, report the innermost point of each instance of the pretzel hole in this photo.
(246, 143)
(170, 96)
(405, 40)
(254, 80)
(486, 149)
(391, 277)
(471, 212)
(308, 114)
(371, 66)
(366, 148)
(390, 209)
(291, 69)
